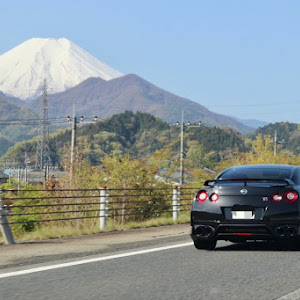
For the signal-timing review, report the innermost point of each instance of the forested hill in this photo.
(288, 135)
(96, 96)
(15, 123)
(139, 134)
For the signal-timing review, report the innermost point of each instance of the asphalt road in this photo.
(175, 270)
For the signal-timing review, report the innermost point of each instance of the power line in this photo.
(35, 122)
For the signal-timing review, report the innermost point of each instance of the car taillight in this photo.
(202, 196)
(290, 196)
(276, 198)
(214, 197)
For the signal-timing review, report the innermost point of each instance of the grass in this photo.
(53, 232)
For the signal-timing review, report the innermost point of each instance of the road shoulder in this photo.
(55, 250)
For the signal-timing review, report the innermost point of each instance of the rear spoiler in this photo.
(213, 182)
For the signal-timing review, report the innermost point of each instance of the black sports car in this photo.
(251, 202)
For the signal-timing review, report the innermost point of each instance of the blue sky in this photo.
(238, 58)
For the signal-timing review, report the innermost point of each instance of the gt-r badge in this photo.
(244, 191)
(265, 198)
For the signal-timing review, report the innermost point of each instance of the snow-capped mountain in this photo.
(61, 62)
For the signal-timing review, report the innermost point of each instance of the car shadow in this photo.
(260, 246)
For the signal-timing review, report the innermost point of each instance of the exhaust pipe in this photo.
(199, 230)
(204, 230)
(290, 231)
(280, 230)
(286, 231)
(207, 230)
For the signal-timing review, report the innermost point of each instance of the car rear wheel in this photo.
(206, 245)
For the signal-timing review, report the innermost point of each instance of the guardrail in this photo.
(27, 208)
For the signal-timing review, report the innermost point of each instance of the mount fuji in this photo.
(61, 62)
(72, 73)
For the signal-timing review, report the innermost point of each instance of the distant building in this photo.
(31, 176)
(3, 177)
(174, 177)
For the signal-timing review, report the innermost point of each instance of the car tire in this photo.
(205, 245)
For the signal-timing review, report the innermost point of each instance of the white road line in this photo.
(91, 260)
(292, 296)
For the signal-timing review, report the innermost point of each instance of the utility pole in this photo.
(73, 142)
(276, 142)
(182, 126)
(181, 149)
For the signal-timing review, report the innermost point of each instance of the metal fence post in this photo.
(4, 225)
(103, 202)
(175, 202)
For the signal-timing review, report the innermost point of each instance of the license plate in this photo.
(246, 215)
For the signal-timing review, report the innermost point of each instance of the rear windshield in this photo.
(255, 173)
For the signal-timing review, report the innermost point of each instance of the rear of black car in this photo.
(257, 202)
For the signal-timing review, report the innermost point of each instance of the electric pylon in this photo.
(43, 160)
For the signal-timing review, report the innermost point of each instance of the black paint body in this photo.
(247, 191)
